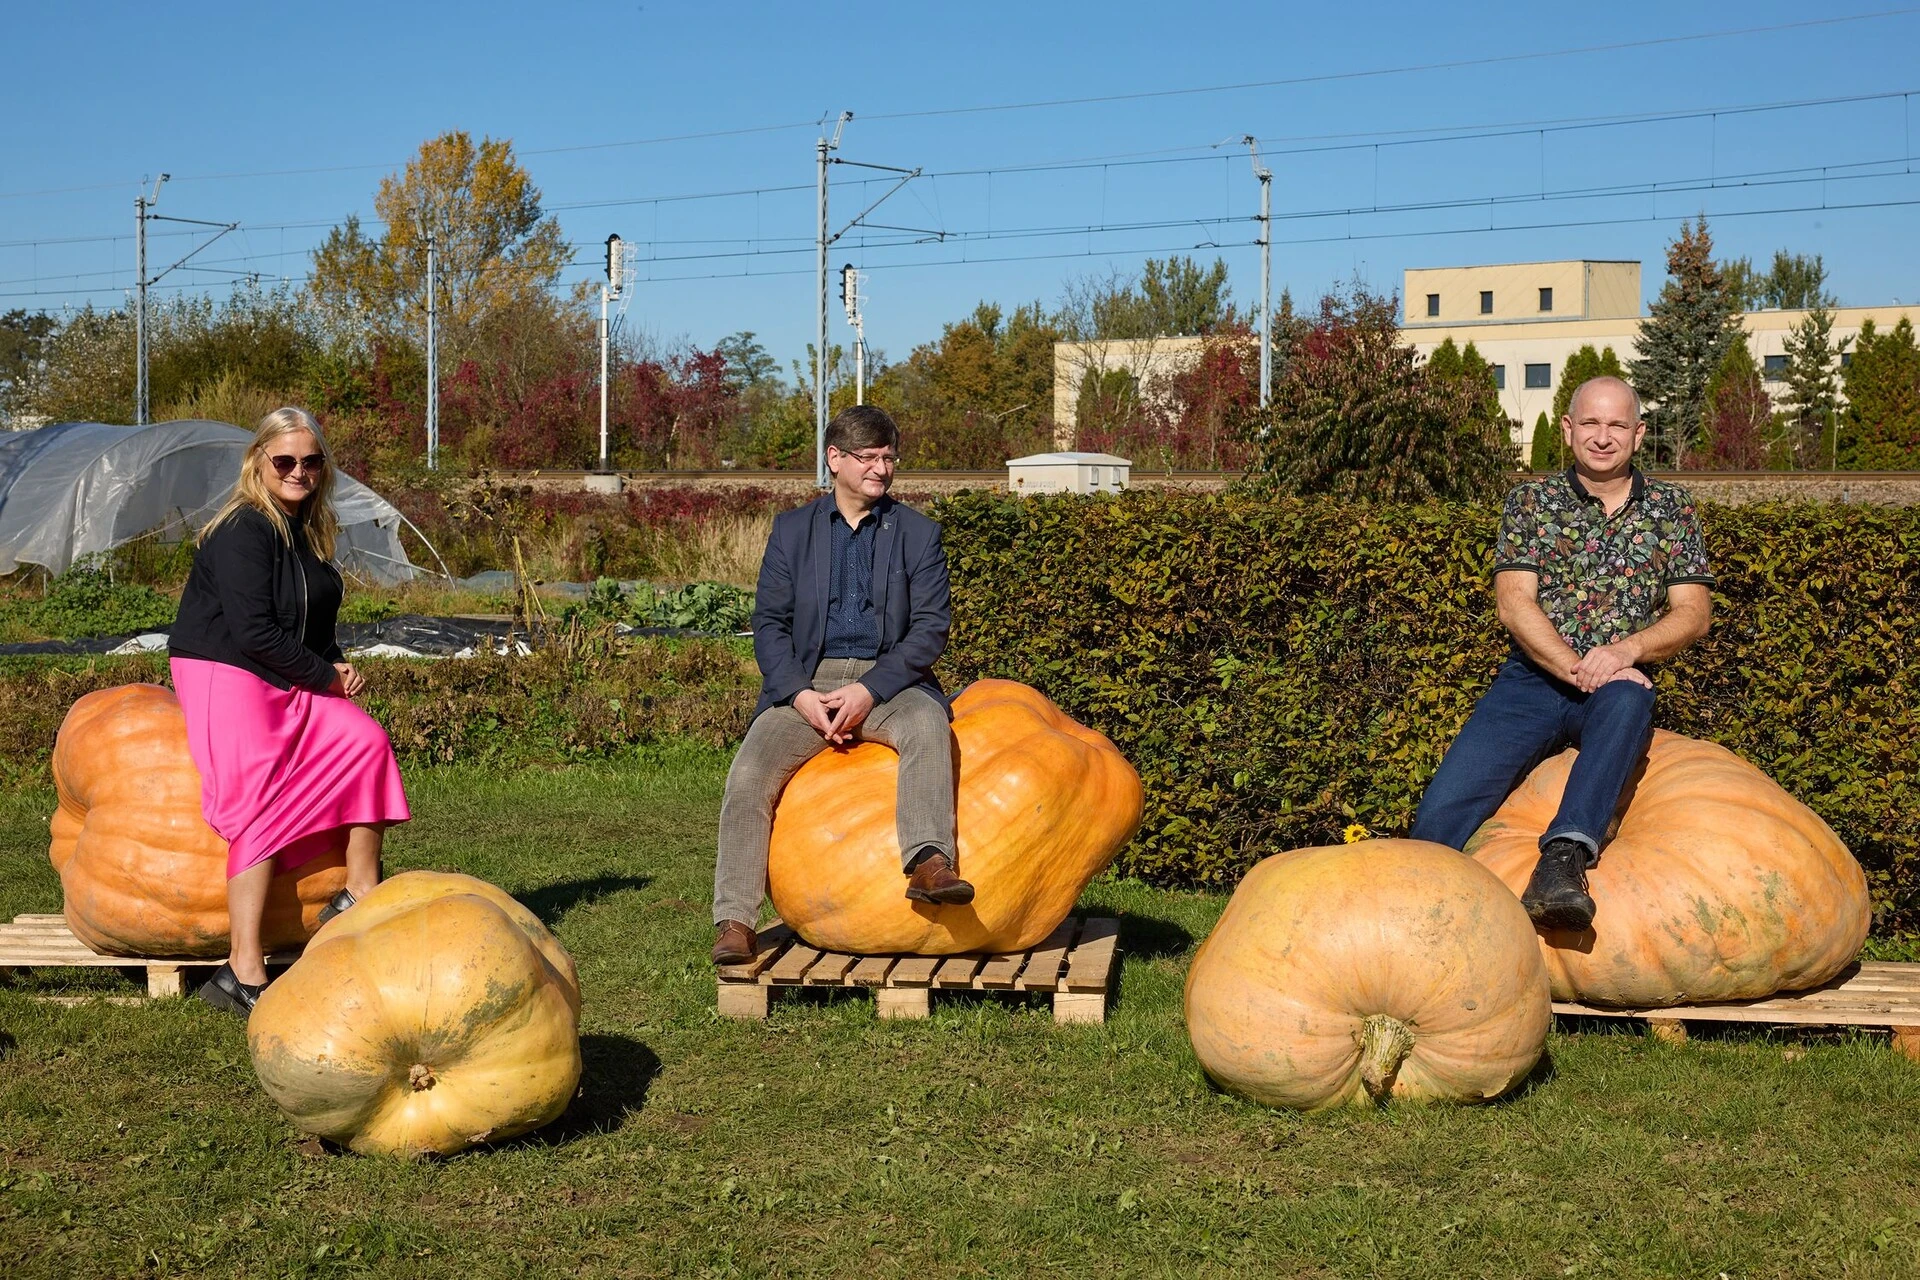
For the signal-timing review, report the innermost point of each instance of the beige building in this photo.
(1524, 318)
(1149, 360)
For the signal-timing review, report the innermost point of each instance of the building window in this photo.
(1499, 377)
(1775, 370)
(1539, 377)
(1433, 304)
(1546, 299)
(1846, 358)
(1486, 302)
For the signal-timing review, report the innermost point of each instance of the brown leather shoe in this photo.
(735, 945)
(933, 880)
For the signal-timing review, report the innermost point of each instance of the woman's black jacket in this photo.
(254, 602)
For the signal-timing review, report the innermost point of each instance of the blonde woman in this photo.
(286, 759)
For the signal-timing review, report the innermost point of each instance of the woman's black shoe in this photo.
(336, 904)
(226, 992)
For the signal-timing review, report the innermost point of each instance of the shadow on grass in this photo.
(553, 901)
(7, 1045)
(616, 1072)
(1150, 938)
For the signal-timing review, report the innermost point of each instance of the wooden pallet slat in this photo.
(1043, 966)
(830, 970)
(41, 941)
(871, 971)
(957, 972)
(903, 985)
(1090, 964)
(913, 971)
(790, 968)
(999, 972)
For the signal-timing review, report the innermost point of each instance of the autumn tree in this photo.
(980, 393)
(1357, 415)
(1682, 341)
(1881, 428)
(493, 245)
(1175, 297)
(1739, 413)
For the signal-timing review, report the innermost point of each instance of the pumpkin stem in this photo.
(1385, 1043)
(420, 1076)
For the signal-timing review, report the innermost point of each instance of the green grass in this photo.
(985, 1142)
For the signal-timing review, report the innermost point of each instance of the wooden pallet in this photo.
(1075, 963)
(45, 942)
(1872, 993)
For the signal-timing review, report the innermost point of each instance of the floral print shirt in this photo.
(1602, 577)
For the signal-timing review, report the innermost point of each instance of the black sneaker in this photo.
(336, 904)
(1556, 896)
(225, 992)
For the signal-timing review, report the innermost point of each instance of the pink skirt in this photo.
(282, 769)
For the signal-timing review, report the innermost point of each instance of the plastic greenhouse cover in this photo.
(76, 488)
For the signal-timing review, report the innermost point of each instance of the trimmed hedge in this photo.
(1280, 670)
(553, 707)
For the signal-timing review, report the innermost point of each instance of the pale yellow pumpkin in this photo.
(1351, 974)
(1717, 884)
(434, 1014)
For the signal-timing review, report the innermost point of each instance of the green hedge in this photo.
(551, 708)
(1279, 670)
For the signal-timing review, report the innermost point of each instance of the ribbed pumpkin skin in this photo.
(1044, 804)
(142, 872)
(434, 1014)
(1717, 886)
(1317, 942)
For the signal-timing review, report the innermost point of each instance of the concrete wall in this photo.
(1581, 291)
(1147, 359)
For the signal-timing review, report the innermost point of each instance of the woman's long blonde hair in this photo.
(317, 516)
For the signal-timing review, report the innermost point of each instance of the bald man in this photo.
(1599, 573)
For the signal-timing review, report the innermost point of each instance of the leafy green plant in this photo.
(702, 606)
(87, 601)
(1280, 670)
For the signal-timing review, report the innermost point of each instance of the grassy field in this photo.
(985, 1142)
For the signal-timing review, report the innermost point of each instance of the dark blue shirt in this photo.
(852, 629)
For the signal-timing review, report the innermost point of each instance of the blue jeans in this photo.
(1525, 717)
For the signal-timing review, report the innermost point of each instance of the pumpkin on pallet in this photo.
(1354, 974)
(1717, 885)
(141, 871)
(1044, 803)
(434, 1014)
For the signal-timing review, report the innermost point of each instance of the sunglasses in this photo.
(284, 463)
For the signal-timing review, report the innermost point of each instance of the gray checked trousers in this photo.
(913, 723)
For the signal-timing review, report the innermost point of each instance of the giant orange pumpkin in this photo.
(1717, 885)
(1044, 803)
(433, 1014)
(142, 872)
(1351, 974)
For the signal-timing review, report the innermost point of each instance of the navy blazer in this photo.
(910, 597)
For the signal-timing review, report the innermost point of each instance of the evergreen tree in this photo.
(1813, 386)
(1738, 414)
(1682, 342)
(1881, 428)
(1582, 365)
(1548, 447)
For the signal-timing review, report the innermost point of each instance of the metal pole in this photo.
(433, 356)
(603, 378)
(140, 311)
(1266, 287)
(820, 351)
(859, 362)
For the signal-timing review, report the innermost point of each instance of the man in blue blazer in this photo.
(850, 616)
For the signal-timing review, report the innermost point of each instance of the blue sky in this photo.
(284, 118)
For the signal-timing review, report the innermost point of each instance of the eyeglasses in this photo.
(871, 458)
(284, 463)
